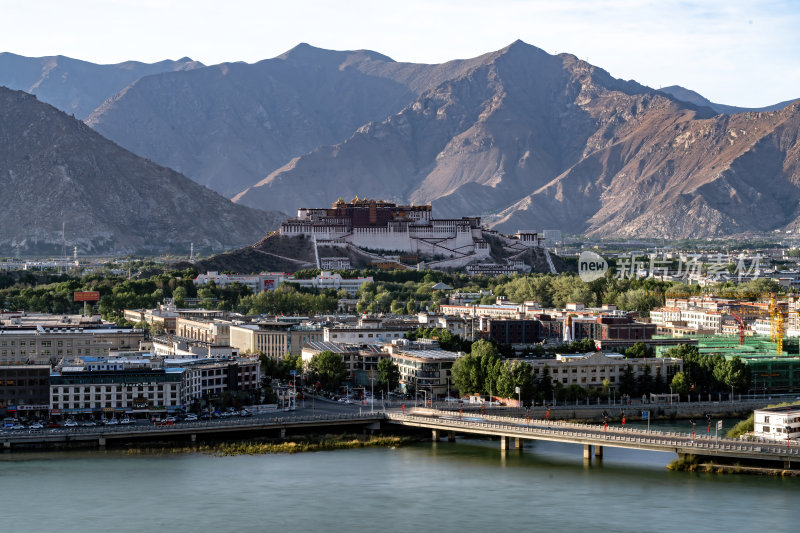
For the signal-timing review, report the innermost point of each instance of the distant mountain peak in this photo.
(305, 53)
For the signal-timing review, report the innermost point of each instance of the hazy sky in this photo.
(736, 52)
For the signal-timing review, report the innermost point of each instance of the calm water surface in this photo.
(460, 487)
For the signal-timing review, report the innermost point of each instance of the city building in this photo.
(423, 366)
(360, 360)
(112, 393)
(46, 346)
(780, 424)
(457, 325)
(274, 339)
(592, 369)
(270, 281)
(24, 389)
(215, 331)
(208, 380)
(266, 281)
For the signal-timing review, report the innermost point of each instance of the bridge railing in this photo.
(233, 423)
(520, 427)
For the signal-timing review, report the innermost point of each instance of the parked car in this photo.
(36, 425)
(88, 423)
(70, 424)
(205, 416)
(170, 419)
(53, 424)
(163, 423)
(111, 422)
(191, 417)
(17, 426)
(126, 421)
(245, 412)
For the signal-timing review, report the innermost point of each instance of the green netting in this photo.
(770, 372)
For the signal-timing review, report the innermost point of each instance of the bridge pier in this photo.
(436, 435)
(787, 464)
(193, 437)
(7, 446)
(505, 443)
(598, 451)
(518, 444)
(283, 433)
(451, 436)
(587, 452)
(101, 441)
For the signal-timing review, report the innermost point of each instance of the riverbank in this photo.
(274, 446)
(692, 463)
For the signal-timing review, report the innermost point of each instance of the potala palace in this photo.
(406, 229)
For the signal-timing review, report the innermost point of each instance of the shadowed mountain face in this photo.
(77, 87)
(523, 138)
(56, 172)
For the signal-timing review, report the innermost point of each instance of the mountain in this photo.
(531, 140)
(687, 95)
(77, 87)
(523, 138)
(229, 125)
(474, 144)
(56, 172)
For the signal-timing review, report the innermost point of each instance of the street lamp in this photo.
(372, 394)
(423, 391)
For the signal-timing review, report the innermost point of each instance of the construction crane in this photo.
(776, 324)
(741, 327)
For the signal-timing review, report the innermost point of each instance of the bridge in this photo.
(592, 437)
(232, 427)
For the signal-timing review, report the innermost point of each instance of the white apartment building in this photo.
(777, 423)
(111, 393)
(361, 335)
(692, 317)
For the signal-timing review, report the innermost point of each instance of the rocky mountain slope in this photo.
(530, 140)
(56, 172)
(74, 86)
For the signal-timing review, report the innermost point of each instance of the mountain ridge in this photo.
(57, 174)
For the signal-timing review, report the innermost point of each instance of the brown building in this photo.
(24, 389)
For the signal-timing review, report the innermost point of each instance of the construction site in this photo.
(773, 359)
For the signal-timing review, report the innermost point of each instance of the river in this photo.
(464, 486)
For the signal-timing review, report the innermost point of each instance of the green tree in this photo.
(512, 375)
(478, 371)
(544, 385)
(733, 373)
(627, 382)
(680, 384)
(179, 296)
(644, 382)
(328, 369)
(639, 350)
(388, 374)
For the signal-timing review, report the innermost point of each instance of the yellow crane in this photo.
(777, 324)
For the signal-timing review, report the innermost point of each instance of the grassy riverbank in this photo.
(691, 463)
(269, 446)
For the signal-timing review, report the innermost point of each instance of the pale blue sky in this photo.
(737, 52)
